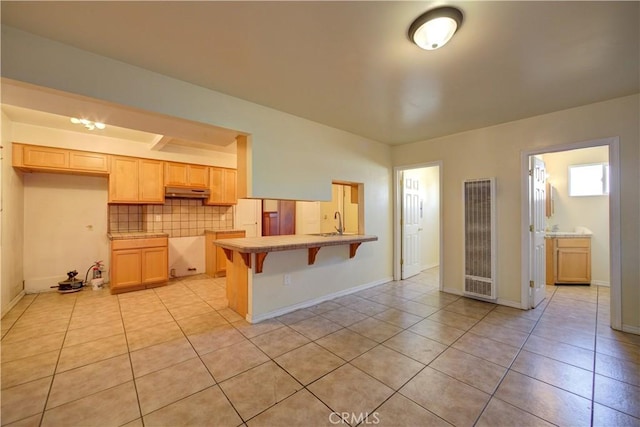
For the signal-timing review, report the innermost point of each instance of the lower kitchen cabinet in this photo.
(215, 259)
(139, 263)
(569, 259)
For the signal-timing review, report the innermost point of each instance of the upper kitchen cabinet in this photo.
(134, 180)
(223, 186)
(35, 158)
(187, 175)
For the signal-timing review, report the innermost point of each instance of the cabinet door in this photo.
(155, 265)
(151, 184)
(45, 157)
(549, 261)
(86, 161)
(574, 265)
(125, 268)
(198, 176)
(123, 180)
(230, 187)
(215, 186)
(176, 174)
(223, 187)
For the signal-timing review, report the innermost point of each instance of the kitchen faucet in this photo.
(339, 218)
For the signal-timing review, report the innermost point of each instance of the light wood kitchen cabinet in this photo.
(569, 259)
(215, 259)
(138, 263)
(134, 180)
(223, 186)
(186, 175)
(35, 158)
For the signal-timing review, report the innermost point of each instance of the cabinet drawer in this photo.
(573, 243)
(138, 243)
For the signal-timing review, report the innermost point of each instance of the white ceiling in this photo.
(350, 65)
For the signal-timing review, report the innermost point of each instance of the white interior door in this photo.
(410, 260)
(537, 199)
(248, 217)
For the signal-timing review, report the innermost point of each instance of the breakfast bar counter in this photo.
(261, 246)
(242, 263)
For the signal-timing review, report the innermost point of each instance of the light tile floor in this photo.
(399, 354)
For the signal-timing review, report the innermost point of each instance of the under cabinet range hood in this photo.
(186, 193)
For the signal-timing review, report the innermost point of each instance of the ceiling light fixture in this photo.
(434, 28)
(88, 123)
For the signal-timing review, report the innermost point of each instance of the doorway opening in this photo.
(592, 222)
(418, 242)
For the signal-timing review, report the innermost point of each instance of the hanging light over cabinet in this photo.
(434, 28)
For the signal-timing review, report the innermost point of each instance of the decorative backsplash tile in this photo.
(177, 217)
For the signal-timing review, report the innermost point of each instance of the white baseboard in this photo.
(309, 303)
(428, 266)
(631, 329)
(499, 301)
(452, 291)
(13, 303)
(42, 284)
(509, 303)
(601, 283)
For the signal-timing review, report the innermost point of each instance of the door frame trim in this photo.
(397, 215)
(614, 220)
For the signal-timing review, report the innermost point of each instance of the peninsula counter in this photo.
(241, 261)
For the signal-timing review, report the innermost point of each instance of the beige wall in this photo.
(11, 223)
(496, 151)
(591, 212)
(65, 220)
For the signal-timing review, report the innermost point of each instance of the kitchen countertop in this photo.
(135, 235)
(222, 230)
(290, 242)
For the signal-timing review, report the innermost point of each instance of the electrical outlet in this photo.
(287, 279)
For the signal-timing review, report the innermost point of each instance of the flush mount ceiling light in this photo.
(88, 123)
(434, 28)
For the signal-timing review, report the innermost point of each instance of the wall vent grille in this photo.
(480, 238)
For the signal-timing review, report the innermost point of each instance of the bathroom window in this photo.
(589, 180)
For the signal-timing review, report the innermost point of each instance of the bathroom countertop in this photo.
(567, 234)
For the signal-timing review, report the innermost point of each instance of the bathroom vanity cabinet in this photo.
(568, 260)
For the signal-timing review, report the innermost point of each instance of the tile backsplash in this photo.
(177, 217)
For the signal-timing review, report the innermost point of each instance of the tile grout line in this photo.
(53, 376)
(506, 372)
(199, 358)
(133, 376)
(595, 356)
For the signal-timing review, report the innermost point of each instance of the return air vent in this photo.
(480, 238)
